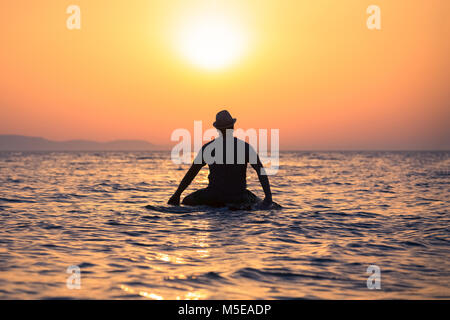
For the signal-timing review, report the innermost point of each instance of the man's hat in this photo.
(224, 120)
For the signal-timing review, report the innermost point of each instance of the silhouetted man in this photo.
(227, 158)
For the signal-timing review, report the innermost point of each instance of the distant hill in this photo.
(25, 143)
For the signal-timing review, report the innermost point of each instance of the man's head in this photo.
(224, 121)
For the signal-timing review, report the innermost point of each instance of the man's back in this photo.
(227, 160)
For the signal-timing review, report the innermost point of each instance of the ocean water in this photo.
(343, 212)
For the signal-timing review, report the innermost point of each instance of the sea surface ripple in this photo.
(343, 211)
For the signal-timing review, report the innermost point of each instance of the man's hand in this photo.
(174, 200)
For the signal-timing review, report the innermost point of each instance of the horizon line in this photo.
(165, 146)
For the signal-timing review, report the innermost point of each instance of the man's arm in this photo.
(190, 175)
(264, 180)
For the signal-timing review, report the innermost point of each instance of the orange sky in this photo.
(310, 68)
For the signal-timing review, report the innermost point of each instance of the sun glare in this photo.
(212, 42)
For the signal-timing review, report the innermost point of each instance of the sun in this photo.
(212, 42)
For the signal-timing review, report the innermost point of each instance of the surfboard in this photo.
(181, 209)
(174, 209)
